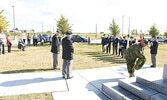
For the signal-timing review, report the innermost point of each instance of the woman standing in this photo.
(28, 40)
(9, 42)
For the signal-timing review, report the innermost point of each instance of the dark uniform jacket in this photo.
(115, 42)
(68, 49)
(103, 42)
(55, 44)
(124, 43)
(154, 47)
(109, 41)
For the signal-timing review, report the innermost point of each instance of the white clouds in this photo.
(85, 14)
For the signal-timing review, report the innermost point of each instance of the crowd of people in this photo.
(116, 42)
(21, 42)
(134, 53)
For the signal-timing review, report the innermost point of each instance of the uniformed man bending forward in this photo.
(132, 53)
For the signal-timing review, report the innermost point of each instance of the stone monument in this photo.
(165, 72)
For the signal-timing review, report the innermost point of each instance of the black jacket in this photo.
(154, 47)
(55, 44)
(68, 49)
(115, 42)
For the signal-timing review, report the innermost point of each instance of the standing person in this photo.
(55, 49)
(2, 42)
(23, 36)
(35, 37)
(131, 41)
(67, 55)
(9, 42)
(28, 40)
(120, 46)
(154, 49)
(115, 44)
(141, 38)
(124, 46)
(108, 44)
(41, 39)
(132, 53)
(103, 42)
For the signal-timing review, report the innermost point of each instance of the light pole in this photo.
(122, 25)
(14, 22)
(96, 30)
(129, 27)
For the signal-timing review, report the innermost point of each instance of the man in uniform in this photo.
(132, 53)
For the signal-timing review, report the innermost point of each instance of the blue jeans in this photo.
(3, 48)
(28, 43)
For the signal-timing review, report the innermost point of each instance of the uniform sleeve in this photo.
(139, 53)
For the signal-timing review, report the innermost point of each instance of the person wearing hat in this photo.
(135, 52)
(55, 49)
(153, 51)
(67, 55)
(131, 41)
(2, 42)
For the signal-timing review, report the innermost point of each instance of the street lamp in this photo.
(122, 25)
(14, 22)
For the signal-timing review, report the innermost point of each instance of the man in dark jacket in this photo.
(154, 49)
(108, 44)
(55, 49)
(67, 55)
(103, 42)
(124, 46)
(115, 44)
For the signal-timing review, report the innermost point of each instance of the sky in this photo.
(84, 15)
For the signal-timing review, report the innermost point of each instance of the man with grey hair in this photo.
(55, 49)
(2, 42)
(67, 55)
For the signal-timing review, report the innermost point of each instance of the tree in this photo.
(134, 31)
(16, 29)
(63, 25)
(114, 28)
(153, 31)
(165, 33)
(33, 30)
(3, 23)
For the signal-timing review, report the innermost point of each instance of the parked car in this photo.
(46, 38)
(78, 38)
(149, 39)
(161, 39)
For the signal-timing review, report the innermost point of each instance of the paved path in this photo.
(85, 85)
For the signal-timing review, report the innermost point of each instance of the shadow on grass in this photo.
(25, 71)
(105, 57)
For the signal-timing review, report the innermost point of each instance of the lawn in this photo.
(39, 59)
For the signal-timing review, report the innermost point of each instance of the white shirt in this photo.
(3, 38)
(23, 35)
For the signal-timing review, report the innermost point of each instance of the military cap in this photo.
(68, 33)
(145, 41)
(58, 31)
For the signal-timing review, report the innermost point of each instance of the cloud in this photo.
(85, 14)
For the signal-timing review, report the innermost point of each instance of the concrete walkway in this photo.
(86, 84)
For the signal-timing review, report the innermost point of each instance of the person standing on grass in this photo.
(141, 39)
(120, 46)
(23, 36)
(153, 51)
(55, 49)
(124, 46)
(67, 55)
(115, 44)
(108, 44)
(131, 41)
(9, 42)
(103, 42)
(35, 37)
(2, 42)
(28, 40)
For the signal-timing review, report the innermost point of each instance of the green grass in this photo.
(39, 59)
(39, 96)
